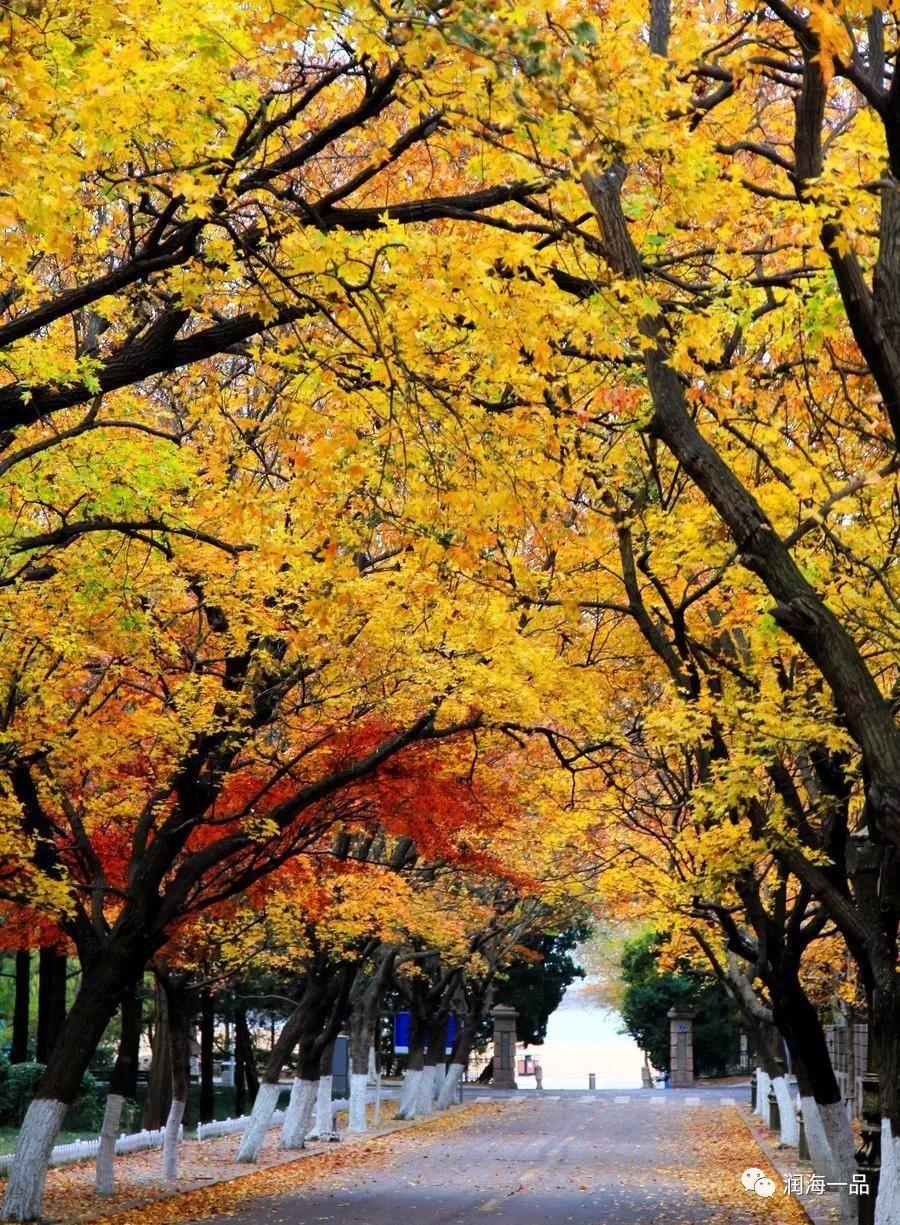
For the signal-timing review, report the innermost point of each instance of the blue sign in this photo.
(403, 1025)
(401, 1033)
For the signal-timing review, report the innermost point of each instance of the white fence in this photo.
(140, 1141)
(86, 1150)
(230, 1127)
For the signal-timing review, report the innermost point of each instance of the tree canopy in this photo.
(452, 446)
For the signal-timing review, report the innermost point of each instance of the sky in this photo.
(583, 1038)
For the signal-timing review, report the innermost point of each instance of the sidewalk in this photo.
(819, 1209)
(207, 1167)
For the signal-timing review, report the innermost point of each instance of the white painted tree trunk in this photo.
(299, 1113)
(25, 1186)
(762, 1094)
(790, 1128)
(410, 1094)
(357, 1120)
(450, 1087)
(839, 1136)
(404, 1093)
(260, 1118)
(105, 1178)
(887, 1206)
(293, 1107)
(323, 1125)
(374, 1078)
(817, 1142)
(425, 1090)
(170, 1140)
(440, 1075)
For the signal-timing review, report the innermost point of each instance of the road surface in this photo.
(570, 1159)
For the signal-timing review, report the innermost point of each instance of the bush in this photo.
(18, 1082)
(86, 1112)
(17, 1090)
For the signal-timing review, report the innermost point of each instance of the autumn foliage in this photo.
(457, 441)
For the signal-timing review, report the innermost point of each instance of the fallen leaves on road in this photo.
(724, 1148)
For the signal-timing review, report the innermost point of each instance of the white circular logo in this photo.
(756, 1180)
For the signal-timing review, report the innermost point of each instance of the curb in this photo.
(818, 1209)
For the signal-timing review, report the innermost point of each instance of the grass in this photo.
(9, 1135)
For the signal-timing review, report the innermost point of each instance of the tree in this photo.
(501, 371)
(535, 983)
(650, 991)
(752, 398)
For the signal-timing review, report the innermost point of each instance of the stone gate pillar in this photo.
(681, 1047)
(504, 1046)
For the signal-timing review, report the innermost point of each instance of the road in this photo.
(585, 1159)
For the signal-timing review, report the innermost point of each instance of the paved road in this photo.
(569, 1159)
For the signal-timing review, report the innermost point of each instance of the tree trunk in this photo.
(322, 1124)
(314, 1022)
(316, 1051)
(299, 1114)
(267, 1095)
(424, 1090)
(798, 1020)
(177, 1015)
(244, 1040)
(415, 1062)
(258, 1124)
(425, 1093)
(440, 1075)
(323, 1127)
(240, 1080)
(366, 1005)
(207, 1035)
(99, 992)
(132, 1024)
(789, 1130)
(25, 1187)
(121, 1084)
(884, 1034)
(52, 968)
(462, 1049)
(356, 1120)
(799, 607)
(159, 1083)
(19, 1052)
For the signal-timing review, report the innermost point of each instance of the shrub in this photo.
(17, 1090)
(18, 1082)
(86, 1112)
